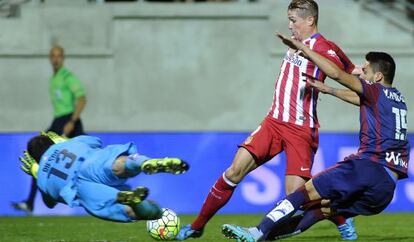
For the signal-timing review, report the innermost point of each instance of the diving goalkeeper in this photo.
(80, 172)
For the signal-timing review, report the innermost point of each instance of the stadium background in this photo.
(182, 79)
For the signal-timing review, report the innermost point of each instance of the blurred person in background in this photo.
(68, 98)
(410, 9)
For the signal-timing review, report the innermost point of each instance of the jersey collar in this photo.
(314, 36)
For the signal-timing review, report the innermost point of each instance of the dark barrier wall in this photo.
(209, 153)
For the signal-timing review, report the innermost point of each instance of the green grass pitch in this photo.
(385, 227)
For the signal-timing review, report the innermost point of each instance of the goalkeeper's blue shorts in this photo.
(99, 200)
(97, 192)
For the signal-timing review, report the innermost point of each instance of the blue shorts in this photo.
(356, 187)
(97, 190)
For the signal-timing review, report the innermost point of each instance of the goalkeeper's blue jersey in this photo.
(61, 163)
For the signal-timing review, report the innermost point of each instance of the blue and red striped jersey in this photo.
(383, 127)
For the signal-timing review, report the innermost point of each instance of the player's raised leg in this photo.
(132, 165)
(168, 165)
(220, 193)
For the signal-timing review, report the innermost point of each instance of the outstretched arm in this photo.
(343, 94)
(328, 67)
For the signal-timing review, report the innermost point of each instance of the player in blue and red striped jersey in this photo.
(364, 183)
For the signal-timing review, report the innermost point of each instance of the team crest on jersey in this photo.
(250, 138)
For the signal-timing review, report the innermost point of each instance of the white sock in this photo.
(257, 234)
(281, 210)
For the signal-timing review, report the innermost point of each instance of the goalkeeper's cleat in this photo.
(237, 232)
(168, 165)
(132, 197)
(347, 230)
(22, 206)
(187, 232)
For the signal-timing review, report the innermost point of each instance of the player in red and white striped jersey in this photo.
(291, 124)
(294, 101)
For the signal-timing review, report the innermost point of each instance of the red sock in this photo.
(218, 196)
(338, 220)
(311, 205)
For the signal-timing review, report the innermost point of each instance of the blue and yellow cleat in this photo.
(186, 232)
(132, 197)
(347, 230)
(237, 232)
(168, 165)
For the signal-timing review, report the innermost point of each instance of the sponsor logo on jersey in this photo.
(395, 158)
(295, 59)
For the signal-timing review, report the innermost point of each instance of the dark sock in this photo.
(32, 195)
(283, 210)
(285, 228)
(147, 210)
(338, 220)
(310, 218)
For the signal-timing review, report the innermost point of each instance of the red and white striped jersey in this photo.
(294, 100)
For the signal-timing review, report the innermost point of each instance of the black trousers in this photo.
(59, 122)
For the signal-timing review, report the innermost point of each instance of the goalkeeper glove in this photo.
(54, 137)
(29, 164)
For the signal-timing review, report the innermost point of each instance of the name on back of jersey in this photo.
(394, 96)
(53, 157)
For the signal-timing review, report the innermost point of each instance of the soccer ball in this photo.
(165, 228)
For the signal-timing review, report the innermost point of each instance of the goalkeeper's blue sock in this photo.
(147, 210)
(134, 162)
